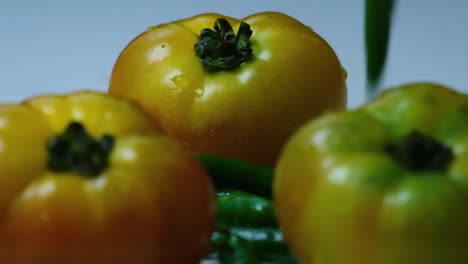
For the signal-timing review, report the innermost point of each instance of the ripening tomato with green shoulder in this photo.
(381, 184)
(90, 178)
(230, 87)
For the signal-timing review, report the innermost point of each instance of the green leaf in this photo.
(378, 15)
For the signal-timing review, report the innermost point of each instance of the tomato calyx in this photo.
(74, 150)
(419, 152)
(221, 48)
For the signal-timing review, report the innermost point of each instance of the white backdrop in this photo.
(60, 45)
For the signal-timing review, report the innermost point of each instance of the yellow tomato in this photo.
(234, 94)
(89, 178)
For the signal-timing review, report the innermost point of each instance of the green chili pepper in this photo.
(239, 175)
(378, 16)
(237, 251)
(241, 209)
(241, 245)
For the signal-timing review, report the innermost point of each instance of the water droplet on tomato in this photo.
(344, 73)
(199, 92)
(180, 81)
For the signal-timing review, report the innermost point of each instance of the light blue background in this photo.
(60, 46)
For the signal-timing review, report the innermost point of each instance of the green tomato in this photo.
(382, 184)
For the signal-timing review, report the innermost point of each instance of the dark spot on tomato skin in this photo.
(463, 108)
(429, 99)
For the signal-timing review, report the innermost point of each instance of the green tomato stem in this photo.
(74, 150)
(418, 152)
(221, 49)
